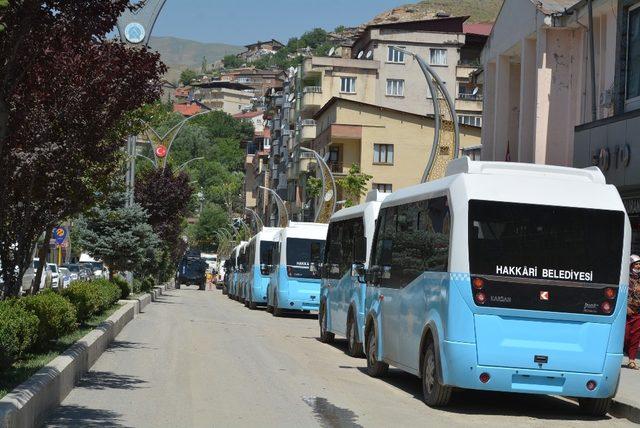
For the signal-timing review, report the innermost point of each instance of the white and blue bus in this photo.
(259, 254)
(346, 253)
(293, 284)
(236, 256)
(503, 277)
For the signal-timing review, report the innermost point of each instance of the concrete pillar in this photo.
(514, 111)
(528, 73)
(501, 120)
(543, 90)
(488, 108)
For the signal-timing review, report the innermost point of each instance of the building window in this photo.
(348, 85)
(383, 187)
(633, 57)
(383, 153)
(438, 56)
(466, 119)
(395, 55)
(395, 87)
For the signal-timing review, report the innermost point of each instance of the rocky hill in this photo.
(478, 10)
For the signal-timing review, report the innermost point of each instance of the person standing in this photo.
(632, 331)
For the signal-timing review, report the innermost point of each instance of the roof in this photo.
(187, 109)
(555, 6)
(448, 24)
(223, 85)
(258, 43)
(481, 29)
(249, 114)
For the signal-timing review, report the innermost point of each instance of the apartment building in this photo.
(259, 80)
(391, 145)
(257, 50)
(229, 97)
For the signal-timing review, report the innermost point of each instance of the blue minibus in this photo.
(342, 297)
(293, 284)
(259, 254)
(503, 277)
(236, 257)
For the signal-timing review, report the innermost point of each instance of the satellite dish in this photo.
(332, 51)
(475, 91)
(369, 54)
(360, 54)
(292, 97)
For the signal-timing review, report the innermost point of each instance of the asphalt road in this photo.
(198, 359)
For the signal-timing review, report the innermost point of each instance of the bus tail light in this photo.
(478, 283)
(481, 298)
(591, 385)
(485, 377)
(606, 307)
(610, 293)
(289, 270)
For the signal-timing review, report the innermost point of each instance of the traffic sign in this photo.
(60, 235)
(161, 151)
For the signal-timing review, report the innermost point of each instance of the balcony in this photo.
(463, 71)
(311, 101)
(308, 130)
(338, 168)
(469, 102)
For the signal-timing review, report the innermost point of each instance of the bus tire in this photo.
(375, 368)
(594, 406)
(435, 393)
(325, 335)
(354, 348)
(277, 312)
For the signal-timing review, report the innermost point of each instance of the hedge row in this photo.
(34, 322)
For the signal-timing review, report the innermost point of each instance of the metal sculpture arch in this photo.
(328, 196)
(145, 16)
(446, 138)
(283, 213)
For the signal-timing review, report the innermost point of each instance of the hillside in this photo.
(180, 54)
(478, 10)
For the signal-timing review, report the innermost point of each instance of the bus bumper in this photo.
(463, 357)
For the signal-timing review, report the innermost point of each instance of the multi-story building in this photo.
(543, 100)
(390, 145)
(259, 80)
(255, 51)
(229, 97)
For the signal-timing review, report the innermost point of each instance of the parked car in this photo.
(55, 275)
(87, 272)
(46, 279)
(97, 267)
(74, 271)
(64, 278)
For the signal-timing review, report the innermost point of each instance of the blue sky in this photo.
(240, 22)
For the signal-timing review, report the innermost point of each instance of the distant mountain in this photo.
(179, 54)
(477, 10)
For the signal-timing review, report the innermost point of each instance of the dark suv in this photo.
(192, 270)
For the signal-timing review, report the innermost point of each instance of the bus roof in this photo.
(305, 230)
(373, 197)
(267, 234)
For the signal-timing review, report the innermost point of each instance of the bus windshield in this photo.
(299, 256)
(545, 242)
(266, 249)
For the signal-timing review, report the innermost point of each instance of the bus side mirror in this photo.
(360, 250)
(358, 271)
(265, 269)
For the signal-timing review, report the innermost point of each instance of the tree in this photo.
(187, 76)
(354, 185)
(205, 65)
(340, 29)
(231, 61)
(120, 236)
(314, 187)
(203, 233)
(67, 94)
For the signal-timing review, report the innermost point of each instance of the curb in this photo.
(29, 404)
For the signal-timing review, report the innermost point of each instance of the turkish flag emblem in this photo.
(544, 295)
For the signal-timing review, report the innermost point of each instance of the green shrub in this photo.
(18, 332)
(56, 314)
(109, 293)
(147, 284)
(85, 296)
(137, 285)
(123, 285)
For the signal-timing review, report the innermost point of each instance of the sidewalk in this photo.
(627, 401)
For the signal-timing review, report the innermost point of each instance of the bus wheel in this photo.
(325, 335)
(277, 312)
(435, 394)
(354, 348)
(594, 406)
(375, 368)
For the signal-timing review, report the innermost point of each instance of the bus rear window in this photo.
(266, 251)
(545, 242)
(299, 256)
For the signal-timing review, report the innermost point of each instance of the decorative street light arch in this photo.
(283, 214)
(328, 196)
